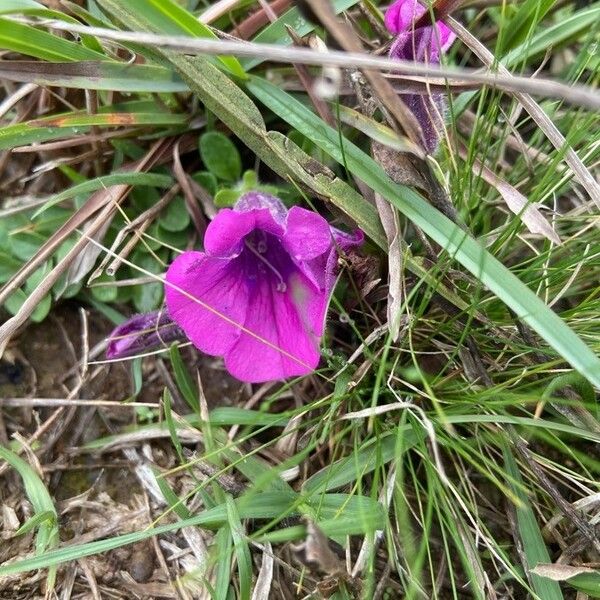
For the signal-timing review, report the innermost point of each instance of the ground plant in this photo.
(299, 299)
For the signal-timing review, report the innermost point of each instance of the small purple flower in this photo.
(425, 45)
(258, 294)
(141, 333)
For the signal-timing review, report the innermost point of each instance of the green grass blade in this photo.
(240, 548)
(183, 379)
(223, 546)
(232, 415)
(166, 16)
(147, 179)
(13, 6)
(524, 422)
(30, 41)
(553, 35)
(463, 248)
(518, 29)
(94, 75)
(340, 513)
(68, 125)
(533, 543)
(262, 506)
(360, 463)
(45, 515)
(167, 404)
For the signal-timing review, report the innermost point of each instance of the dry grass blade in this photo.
(528, 213)
(576, 94)
(188, 193)
(262, 588)
(391, 223)
(54, 402)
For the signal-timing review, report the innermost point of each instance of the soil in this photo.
(107, 491)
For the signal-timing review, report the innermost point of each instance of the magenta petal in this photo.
(400, 18)
(307, 235)
(225, 233)
(402, 14)
(214, 323)
(287, 327)
(446, 36)
(344, 241)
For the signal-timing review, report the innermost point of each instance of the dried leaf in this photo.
(528, 213)
(317, 551)
(389, 219)
(84, 261)
(262, 588)
(558, 572)
(190, 199)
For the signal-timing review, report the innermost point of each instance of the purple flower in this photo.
(258, 294)
(142, 333)
(425, 45)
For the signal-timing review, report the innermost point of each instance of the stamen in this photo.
(281, 285)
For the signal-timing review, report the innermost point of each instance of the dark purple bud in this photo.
(423, 45)
(143, 333)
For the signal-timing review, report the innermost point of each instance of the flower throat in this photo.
(259, 250)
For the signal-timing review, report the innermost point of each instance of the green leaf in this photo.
(94, 75)
(226, 198)
(9, 265)
(149, 296)
(175, 217)
(220, 156)
(104, 293)
(184, 382)
(30, 41)
(462, 247)
(553, 35)
(98, 183)
(16, 299)
(43, 507)
(531, 537)
(207, 180)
